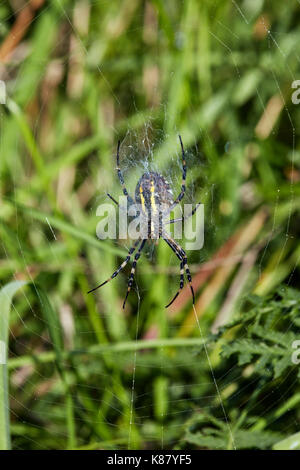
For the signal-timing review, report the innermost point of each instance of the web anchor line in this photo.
(214, 379)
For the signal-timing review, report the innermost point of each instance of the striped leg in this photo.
(112, 198)
(132, 249)
(172, 221)
(122, 208)
(180, 253)
(182, 192)
(181, 285)
(120, 176)
(130, 280)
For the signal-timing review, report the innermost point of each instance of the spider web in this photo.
(36, 393)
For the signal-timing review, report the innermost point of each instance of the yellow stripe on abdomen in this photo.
(142, 199)
(152, 198)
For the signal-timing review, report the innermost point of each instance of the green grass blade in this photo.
(53, 326)
(56, 336)
(6, 295)
(104, 349)
(64, 226)
(290, 443)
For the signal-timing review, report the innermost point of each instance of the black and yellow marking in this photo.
(181, 255)
(130, 280)
(130, 252)
(142, 199)
(153, 193)
(152, 197)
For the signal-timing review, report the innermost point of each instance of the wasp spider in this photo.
(154, 202)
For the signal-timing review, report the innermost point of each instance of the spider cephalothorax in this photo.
(153, 203)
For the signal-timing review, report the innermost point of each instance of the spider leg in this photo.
(112, 198)
(130, 251)
(180, 287)
(182, 192)
(172, 221)
(180, 253)
(130, 280)
(116, 202)
(120, 176)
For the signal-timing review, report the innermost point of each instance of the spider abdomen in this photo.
(153, 192)
(153, 196)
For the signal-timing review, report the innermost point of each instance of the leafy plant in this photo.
(258, 347)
